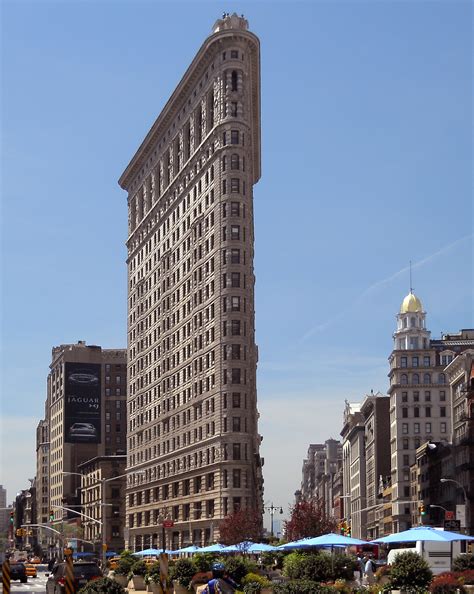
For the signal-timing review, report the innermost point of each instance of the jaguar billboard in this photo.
(82, 403)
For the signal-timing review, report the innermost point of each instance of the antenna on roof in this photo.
(411, 288)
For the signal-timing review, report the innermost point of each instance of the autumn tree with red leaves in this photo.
(244, 524)
(308, 518)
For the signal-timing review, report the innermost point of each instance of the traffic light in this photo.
(348, 530)
(12, 517)
(51, 515)
(422, 510)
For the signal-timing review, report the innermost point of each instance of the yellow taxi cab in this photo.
(31, 570)
(35, 560)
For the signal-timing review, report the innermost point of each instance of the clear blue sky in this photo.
(367, 164)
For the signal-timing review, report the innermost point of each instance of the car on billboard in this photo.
(79, 431)
(83, 377)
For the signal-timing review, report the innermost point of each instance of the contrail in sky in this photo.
(381, 283)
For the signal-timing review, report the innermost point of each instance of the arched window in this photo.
(441, 378)
(404, 322)
(404, 379)
(415, 378)
(234, 80)
(427, 378)
(235, 161)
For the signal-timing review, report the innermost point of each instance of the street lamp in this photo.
(272, 509)
(439, 506)
(466, 503)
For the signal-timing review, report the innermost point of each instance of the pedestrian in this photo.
(220, 583)
(368, 571)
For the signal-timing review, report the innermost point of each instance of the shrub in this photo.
(271, 558)
(343, 566)
(124, 565)
(154, 572)
(102, 586)
(382, 571)
(238, 567)
(255, 578)
(139, 568)
(445, 583)
(463, 562)
(302, 587)
(316, 567)
(410, 572)
(466, 577)
(203, 561)
(183, 571)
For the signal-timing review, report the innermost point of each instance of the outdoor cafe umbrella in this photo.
(190, 549)
(214, 548)
(325, 540)
(247, 546)
(261, 548)
(149, 552)
(423, 534)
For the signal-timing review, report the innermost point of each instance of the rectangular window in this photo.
(426, 361)
(236, 478)
(405, 428)
(235, 209)
(414, 361)
(236, 451)
(235, 352)
(235, 232)
(235, 279)
(416, 396)
(236, 400)
(234, 137)
(403, 361)
(428, 427)
(416, 412)
(442, 396)
(405, 443)
(427, 411)
(405, 413)
(236, 424)
(235, 256)
(404, 396)
(442, 411)
(442, 427)
(236, 375)
(235, 327)
(427, 396)
(416, 428)
(235, 303)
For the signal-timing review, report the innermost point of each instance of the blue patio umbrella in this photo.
(149, 552)
(333, 540)
(190, 549)
(261, 548)
(296, 544)
(241, 547)
(423, 534)
(214, 548)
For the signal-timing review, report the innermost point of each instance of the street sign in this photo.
(452, 525)
(449, 515)
(168, 523)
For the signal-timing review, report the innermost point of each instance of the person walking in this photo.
(369, 577)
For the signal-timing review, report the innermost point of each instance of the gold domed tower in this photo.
(411, 331)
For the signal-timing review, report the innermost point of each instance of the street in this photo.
(37, 584)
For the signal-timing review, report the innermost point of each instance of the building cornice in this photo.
(190, 78)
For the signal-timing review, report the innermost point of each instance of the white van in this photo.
(439, 555)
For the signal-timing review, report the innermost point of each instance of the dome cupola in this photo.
(411, 304)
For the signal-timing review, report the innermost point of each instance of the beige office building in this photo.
(86, 417)
(192, 355)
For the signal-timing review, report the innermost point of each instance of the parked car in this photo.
(17, 572)
(31, 570)
(83, 572)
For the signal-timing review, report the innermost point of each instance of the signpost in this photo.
(452, 525)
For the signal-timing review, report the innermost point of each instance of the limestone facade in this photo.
(191, 339)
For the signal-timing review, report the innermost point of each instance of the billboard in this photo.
(82, 406)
